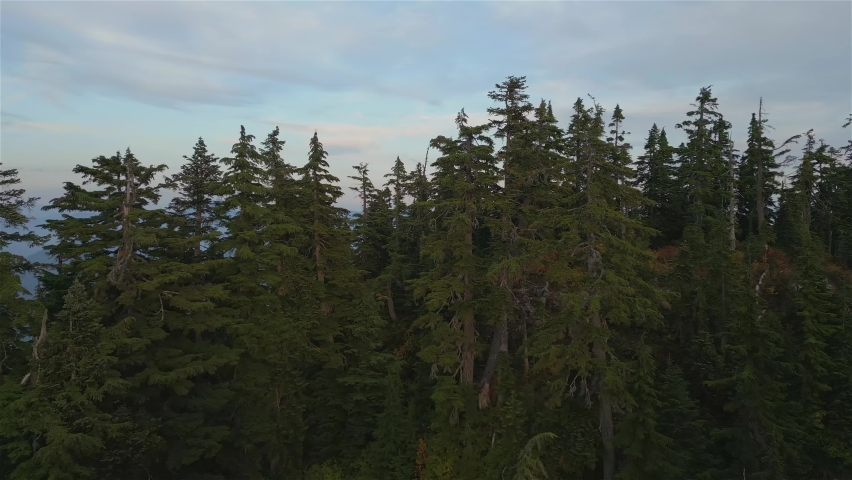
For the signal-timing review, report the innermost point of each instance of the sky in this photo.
(377, 80)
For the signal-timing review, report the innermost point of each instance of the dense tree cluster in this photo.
(539, 305)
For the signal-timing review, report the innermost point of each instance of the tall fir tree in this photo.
(648, 452)
(604, 283)
(758, 180)
(195, 204)
(511, 123)
(399, 242)
(260, 277)
(68, 410)
(456, 294)
(700, 162)
(120, 253)
(655, 176)
(21, 319)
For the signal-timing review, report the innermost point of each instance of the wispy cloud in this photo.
(419, 129)
(352, 138)
(15, 121)
(221, 52)
(379, 79)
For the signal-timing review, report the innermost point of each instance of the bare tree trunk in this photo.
(33, 377)
(526, 354)
(391, 309)
(468, 326)
(364, 213)
(318, 246)
(604, 411)
(759, 201)
(318, 257)
(467, 350)
(607, 436)
(732, 207)
(499, 344)
(198, 224)
(124, 256)
(595, 268)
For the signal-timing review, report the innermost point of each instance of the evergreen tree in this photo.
(465, 183)
(604, 285)
(325, 219)
(833, 204)
(649, 453)
(195, 202)
(117, 252)
(836, 445)
(761, 435)
(620, 149)
(399, 246)
(511, 123)
(456, 293)
(680, 418)
(529, 466)
(373, 225)
(758, 184)
(814, 323)
(13, 204)
(279, 174)
(655, 173)
(701, 162)
(261, 280)
(392, 453)
(472, 309)
(73, 424)
(17, 315)
(348, 371)
(20, 319)
(192, 425)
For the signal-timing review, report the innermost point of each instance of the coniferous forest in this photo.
(534, 299)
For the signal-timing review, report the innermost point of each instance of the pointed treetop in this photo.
(273, 146)
(617, 113)
(512, 91)
(461, 119)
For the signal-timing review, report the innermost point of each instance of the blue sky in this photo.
(379, 79)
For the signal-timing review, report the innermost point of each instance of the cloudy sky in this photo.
(379, 79)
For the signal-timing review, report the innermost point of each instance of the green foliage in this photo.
(648, 452)
(325, 471)
(758, 184)
(655, 176)
(67, 408)
(529, 466)
(195, 203)
(20, 320)
(13, 205)
(701, 162)
(542, 308)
